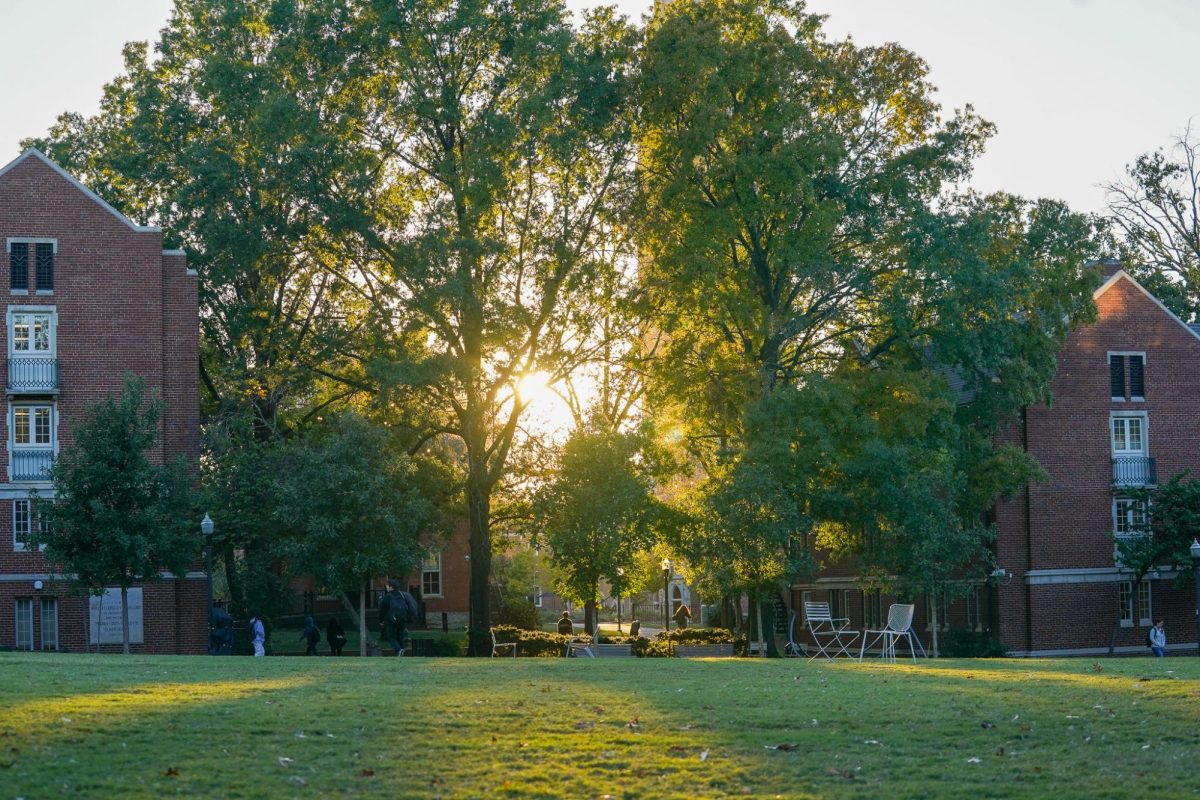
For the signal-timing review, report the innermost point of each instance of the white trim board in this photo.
(34, 152)
(1054, 577)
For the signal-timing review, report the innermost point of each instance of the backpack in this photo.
(402, 608)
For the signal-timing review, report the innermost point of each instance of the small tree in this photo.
(357, 506)
(117, 517)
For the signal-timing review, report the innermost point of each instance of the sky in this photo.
(1076, 88)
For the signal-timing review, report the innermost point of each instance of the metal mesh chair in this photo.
(899, 626)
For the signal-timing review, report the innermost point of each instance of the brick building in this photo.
(90, 296)
(1125, 413)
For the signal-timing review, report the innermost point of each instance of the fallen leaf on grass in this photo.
(1097, 668)
(634, 723)
(367, 773)
(974, 760)
(172, 772)
(583, 726)
(703, 755)
(987, 725)
(284, 761)
(300, 735)
(870, 741)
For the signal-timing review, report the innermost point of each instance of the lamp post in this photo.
(1195, 548)
(206, 529)
(666, 568)
(620, 575)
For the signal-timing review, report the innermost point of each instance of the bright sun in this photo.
(547, 412)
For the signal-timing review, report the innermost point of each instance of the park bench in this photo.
(612, 651)
(704, 651)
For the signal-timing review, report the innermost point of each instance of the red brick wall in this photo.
(122, 306)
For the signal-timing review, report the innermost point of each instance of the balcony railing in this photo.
(32, 375)
(30, 465)
(1134, 471)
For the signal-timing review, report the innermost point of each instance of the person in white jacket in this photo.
(1158, 639)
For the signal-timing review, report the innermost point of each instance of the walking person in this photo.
(258, 635)
(566, 625)
(1158, 639)
(396, 609)
(682, 615)
(312, 635)
(336, 636)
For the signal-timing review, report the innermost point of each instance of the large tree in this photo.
(799, 224)
(501, 138)
(1155, 209)
(118, 517)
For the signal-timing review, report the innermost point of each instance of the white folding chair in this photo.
(499, 648)
(899, 626)
(579, 646)
(835, 631)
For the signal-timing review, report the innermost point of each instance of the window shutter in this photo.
(1137, 381)
(18, 265)
(45, 267)
(1116, 372)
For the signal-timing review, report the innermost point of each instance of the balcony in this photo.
(1134, 471)
(30, 464)
(32, 376)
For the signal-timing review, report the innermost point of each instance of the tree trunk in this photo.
(125, 620)
(358, 620)
(478, 511)
(362, 617)
(589, 617)
(933, 620)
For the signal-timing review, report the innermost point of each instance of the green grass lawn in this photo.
(111, 726)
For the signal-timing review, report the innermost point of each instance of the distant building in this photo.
(90, 296)
(1125, 414)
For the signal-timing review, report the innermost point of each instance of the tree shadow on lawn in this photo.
(557, 727)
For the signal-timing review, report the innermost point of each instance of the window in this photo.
(431, 576)
(49, 623)
(974, 609)
(1125, 598)
(1129, 515)
(537, 596)
(31, 333)
(1128, 435)
(24, 623)
(18, 265)
(873, 609)
(32, 426)
(1137, 376)
(21, 524)
(839, 603)
(44, 267)
(1145, 618)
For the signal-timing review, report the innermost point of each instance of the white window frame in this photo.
(839, 603)
(51, 604)
(1125, 601)
(1143, 424)
(433, 565)
(974, 602)
(18, 545)
(1126, 510)
(23, 612)
(1145, 601)
(537, 597)
(33, 445)
(51, 312)
(1127, 354)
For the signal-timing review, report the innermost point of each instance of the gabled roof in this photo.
(1120, 274)
(35, 153)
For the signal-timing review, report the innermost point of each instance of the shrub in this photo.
(533, 643)
(971, 644)
(665, 642)
(519, 613)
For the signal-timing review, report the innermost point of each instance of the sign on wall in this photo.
(106, 617)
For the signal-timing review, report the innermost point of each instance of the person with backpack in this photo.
(258, 635)
(396, 609)
(336, 636)
(1156, 639)
(311, 635)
